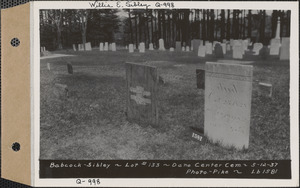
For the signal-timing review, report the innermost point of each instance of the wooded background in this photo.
(61, 28)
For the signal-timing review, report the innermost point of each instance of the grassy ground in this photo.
(91, 123)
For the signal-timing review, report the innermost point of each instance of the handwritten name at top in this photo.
(129, 4)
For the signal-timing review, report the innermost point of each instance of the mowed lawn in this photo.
(91, 122)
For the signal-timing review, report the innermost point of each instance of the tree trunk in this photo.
(212, 24)
(203, 24)
(228, 26)
(249, 24)
(262, 26)
(130, 27)
(136, 31)
(222, 24)
(151, 26)
(159, 24)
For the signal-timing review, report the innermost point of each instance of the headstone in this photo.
(249, 41)
(80, 47)
(151, 46)
(171, 49)
(178, 46)
(228, 90)
(142, 47)
(187, 48)
(256, 48)
(237, 52)
(101, 47)
(265, 89)
(224, 41)
(106, 46)
(278, 29)
(113, 47)
(192, 47)
(131, 48)
(223, 45)
(201, 51)
(218, 51)
(263, 52)
(74, 47)
(275, 46)
(48, 66)
(142, 81)
(88, 46)
(245, 45)
(285, 49)
(196, 44)
(126, 47)
(109, 47)
(161, 45)
(214, 44)
(42, 49)
(70, 68)
(231, 42)
(200, 78)
(183, 48)
(228, 47)
(208, 48)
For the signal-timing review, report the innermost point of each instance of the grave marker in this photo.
(113, 47)
(131, 48)
(285, 49)
(208, 48)
(265, 89)
(142, 47)
(101, 47)
(70, 68)
(237, 52)
(183, 48)
(200, 74)
(48, 66)
(80, 47)
(106, 46)
(219, 51)
(88, 46)
(161, 45)
(228, 90)
(274, 47)
(256, 48)
(187, 48)
(201, 51)
(223, 45)
(171, 49)
(178, 46)
(74, 47)
(142, 81)
(151, 46)
(196, 44)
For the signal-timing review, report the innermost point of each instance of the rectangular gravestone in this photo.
(208, 48)
(285, 49)
(228, 89)
(196, 44)
(142, 83)
(70, 68)
(200, 78)
(88, 46)
(275, 47)
(74, 47)
(80, 47)
(201, 51)
(237, 52)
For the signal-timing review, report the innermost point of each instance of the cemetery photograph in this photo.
(164, 84)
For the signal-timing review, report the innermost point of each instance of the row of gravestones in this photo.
(107, 46)
(228, 93)
(88, 47)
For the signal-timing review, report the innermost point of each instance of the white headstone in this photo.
(126, 47)
(223, 48)
(256, 48)
(208, 48)
(142, 47)
(228, 47)
(151, 46)
(187, 48)
(172, 49)
(201, 51)
(245, 45)
(74, 47)
(237, 52)
(101, 48)
(224, 41)
(106, 46)
(285, 49)
(183, 48)
(161, 44)
(131, 48)
(228, 91)
(80, 47)
(231, 42)
(113, 47)
(109, 47)
(88, 46)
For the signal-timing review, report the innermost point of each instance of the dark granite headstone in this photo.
(70, 68)
(219, 51)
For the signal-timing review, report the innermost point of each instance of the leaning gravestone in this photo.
(201, 51)
(219, 51)
(101, 47)
(142, 81)
(200, 78)
(208, 48)
(237, 52)
(228, 90)
(196, 44)
(131, 48)
(161, 45)
(178, 46)
(74, 47)
(88, 46)
(256, 48)
(285, 49)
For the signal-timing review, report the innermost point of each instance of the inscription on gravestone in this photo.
(142, 81)
(228, 89)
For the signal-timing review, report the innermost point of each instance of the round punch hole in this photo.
(16, 146)
(15, 42)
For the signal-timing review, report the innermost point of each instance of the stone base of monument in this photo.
(265, 89)
(61, 90)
